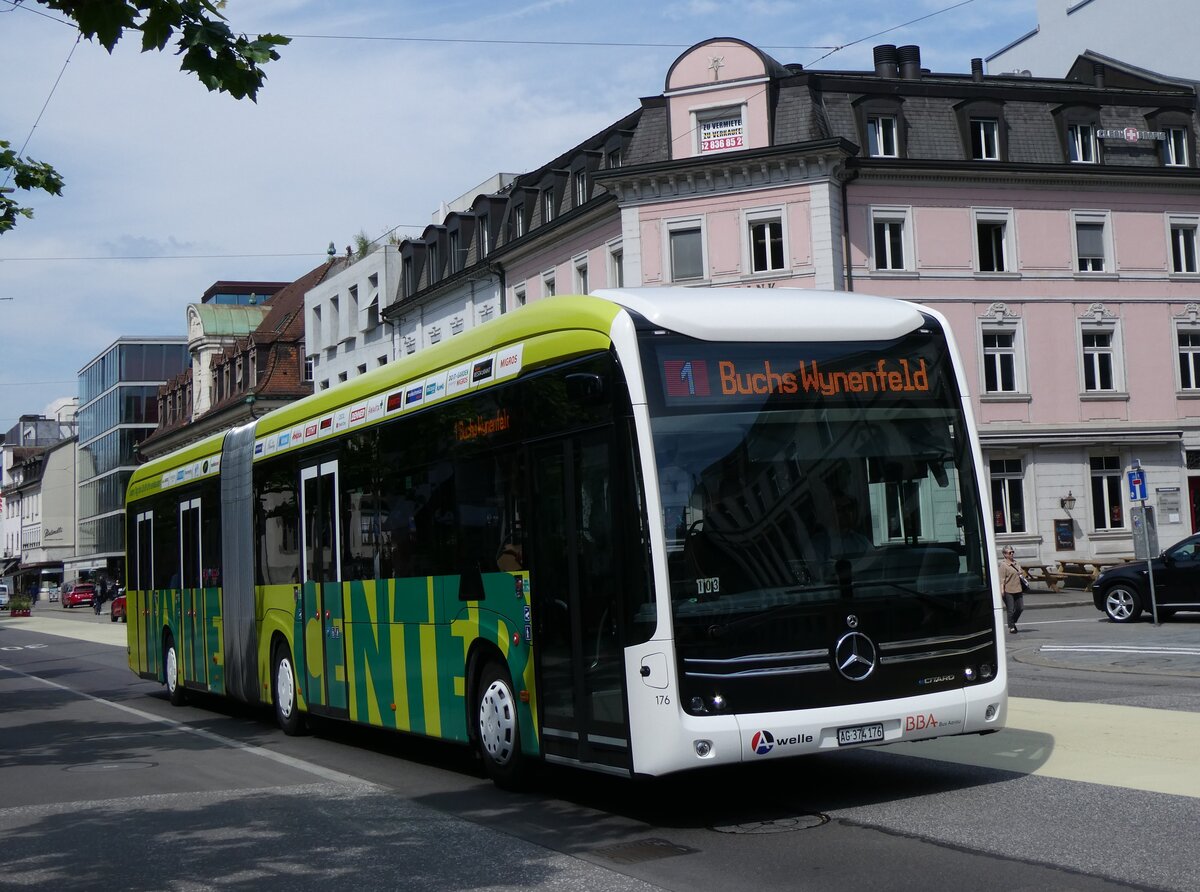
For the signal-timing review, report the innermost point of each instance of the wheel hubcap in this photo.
(497, 722)
(172, 670)
(1120, 605)
(284, 688)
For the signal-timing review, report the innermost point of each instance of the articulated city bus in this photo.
(641, 531)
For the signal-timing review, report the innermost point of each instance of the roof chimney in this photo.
(1098, 74)
(910, 62)
(885, 61)
(977, 70)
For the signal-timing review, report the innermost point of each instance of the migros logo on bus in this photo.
(899, 376)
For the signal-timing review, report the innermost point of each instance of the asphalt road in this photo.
(1092, 786)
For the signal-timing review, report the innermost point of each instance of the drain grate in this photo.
(640, 850)
(775, 825)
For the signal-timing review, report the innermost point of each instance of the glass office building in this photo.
(118, 408)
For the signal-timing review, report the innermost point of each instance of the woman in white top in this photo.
(1011, 578)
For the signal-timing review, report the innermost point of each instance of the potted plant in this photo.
(19, 605)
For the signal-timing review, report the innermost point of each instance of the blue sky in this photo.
(352, 132)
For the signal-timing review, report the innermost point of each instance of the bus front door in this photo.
(324, 628)
(575, 602)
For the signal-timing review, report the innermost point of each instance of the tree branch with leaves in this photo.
(223, 61)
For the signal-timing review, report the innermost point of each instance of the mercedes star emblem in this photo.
(855, 656)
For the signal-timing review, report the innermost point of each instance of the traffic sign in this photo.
(1137, 485)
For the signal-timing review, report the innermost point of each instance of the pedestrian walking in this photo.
(1013, 584)
(101, 594)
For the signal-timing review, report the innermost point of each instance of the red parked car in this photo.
(79, 594)
(117, 610)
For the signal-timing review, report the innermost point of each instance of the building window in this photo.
(720, 130)
(890, 239)
(1183, 246)
(519, 296)
(1189, 359)
(766, 245)
(1098, 361)
(686, 251)
(547, 205)
(1081, 143)
(999, 362)
(410, 282)
(581, 275)
(434, 263)
(882, 139)
(1008, 495)
(613, 159)
(309, 363)
(1175, 147)
(485, 236)
(549, 289)
(581, 187)
(455, 252)
(1107, 510)
(985, 139)
(616, 266)
(1091, 244)
(992, 247)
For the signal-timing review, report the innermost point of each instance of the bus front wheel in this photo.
(498, 731)
(283, 684)
(171, 671)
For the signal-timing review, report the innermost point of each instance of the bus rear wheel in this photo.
(283, 687)
(171, 671)
(498, 731)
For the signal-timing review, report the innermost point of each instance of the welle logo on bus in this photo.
(718, 380)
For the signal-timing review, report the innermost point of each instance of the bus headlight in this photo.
(969, 673)
(986, 671)
(703, 748)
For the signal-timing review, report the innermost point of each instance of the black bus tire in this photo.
(497, 728)
(171, 671)
(283, 692)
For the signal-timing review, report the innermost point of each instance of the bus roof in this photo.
(581, 324)
(769, 314)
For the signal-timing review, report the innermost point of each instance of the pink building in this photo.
(1053, 221)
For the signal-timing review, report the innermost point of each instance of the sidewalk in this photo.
(1038, 596)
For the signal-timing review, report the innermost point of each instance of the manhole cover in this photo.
(641, 850)
(775, 825)
(111, 766)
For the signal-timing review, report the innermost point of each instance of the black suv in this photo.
(1123, 592)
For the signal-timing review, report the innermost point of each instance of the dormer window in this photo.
(1081, 143)
(985, 139)
(720, 130)
(881, 126)
(547, 205)
(882, 141)
(580, 179)
(1175, 147)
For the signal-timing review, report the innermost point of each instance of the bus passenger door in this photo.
(573, 574)
(191, 595)
(324, 644)
(137, 610)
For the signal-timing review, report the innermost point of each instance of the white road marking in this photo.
(291, 762)
(1150, 649)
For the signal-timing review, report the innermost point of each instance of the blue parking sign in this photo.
(1137, 485)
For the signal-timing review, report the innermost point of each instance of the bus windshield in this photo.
(805, 474)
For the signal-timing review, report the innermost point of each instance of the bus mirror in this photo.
(587, 388)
